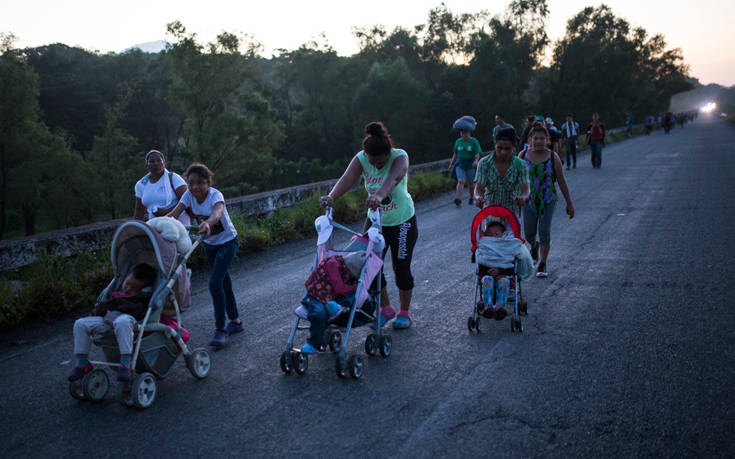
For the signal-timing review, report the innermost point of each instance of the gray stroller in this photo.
(156, 346)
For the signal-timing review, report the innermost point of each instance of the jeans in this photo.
(317, 317)
(571, 152)
(596, 146)
(220, 258)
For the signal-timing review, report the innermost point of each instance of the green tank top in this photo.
(398, 207)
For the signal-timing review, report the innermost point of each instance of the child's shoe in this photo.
(124, 373)
(402, 321)
(233, 328)
(78, 373)
(219, 339)
(386, 314)
(333, 308)
(500, 313)
(308, 349)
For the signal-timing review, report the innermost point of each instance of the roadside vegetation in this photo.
(56, 285)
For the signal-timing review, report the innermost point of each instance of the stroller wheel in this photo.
(286, 362)
(144, 390)
(471, 323)
(95, 385)
(335, 340)
(199, 363)
(76, 390)
(301, 362)
(341, 366)
(371, 344)
(356, 366)
(385, 344)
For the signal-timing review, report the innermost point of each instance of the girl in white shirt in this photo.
(220, 245)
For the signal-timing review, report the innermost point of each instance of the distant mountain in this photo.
(723, 96)
(150, 47)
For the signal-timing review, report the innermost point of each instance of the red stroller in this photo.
(520, 306)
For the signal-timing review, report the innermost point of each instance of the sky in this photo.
(702, 29)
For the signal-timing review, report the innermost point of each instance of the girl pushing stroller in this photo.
(503, 261)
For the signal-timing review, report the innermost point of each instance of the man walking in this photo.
(500, 124)
(596, 140)
(570, 138)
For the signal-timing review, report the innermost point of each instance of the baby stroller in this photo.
(156, 346)
(519, 305)
(361, 308)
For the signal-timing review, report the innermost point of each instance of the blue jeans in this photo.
(596, 146)
(317, 317)
(220, 258)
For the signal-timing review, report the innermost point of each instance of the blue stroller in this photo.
(359, 309)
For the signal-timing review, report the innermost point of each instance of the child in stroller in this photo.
(334, 278)
(502, 262)
(119, 313)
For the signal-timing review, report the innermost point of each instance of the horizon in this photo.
(689, 27)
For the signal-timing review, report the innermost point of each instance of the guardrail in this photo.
(16, 253)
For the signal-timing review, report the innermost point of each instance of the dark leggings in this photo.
(401, 239)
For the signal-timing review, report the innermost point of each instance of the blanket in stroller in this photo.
(501, 252)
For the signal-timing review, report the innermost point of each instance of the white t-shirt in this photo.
(222, 232)
(159, 195)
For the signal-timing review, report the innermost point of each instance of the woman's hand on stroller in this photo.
(326, 201)
(205, 228)
(373, 201)
(480, 201)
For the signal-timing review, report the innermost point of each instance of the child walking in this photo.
(220, 246)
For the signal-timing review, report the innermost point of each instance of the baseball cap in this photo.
(323, 229)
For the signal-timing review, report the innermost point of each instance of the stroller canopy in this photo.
(135, 242)
(498, 212)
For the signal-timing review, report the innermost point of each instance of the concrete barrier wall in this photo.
(16, 253)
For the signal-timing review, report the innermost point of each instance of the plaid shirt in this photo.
(501, 191)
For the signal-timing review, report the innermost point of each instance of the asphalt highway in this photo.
(628, 349)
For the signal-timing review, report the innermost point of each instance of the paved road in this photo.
(627, 351)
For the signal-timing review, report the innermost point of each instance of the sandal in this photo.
(386, 314)
(403, 321)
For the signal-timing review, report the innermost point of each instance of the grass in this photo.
(56, 285)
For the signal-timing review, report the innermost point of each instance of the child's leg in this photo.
(488, 285)
(123, 326)
(83, 329)
(220, 257)
(501, 291)
(317, 316)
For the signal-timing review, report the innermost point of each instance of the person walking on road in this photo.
(501, 124)
(220, 246)
(570, 139)
(545, 170)
(502, 178)
(465, 155)
(596, 140)
(385, 169)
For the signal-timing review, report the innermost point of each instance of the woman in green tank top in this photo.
(384, 170)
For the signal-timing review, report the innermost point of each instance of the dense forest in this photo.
(74, 125)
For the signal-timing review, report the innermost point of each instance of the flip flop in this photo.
(402, 322)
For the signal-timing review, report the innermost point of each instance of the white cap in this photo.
(549, 120)
(323, 229)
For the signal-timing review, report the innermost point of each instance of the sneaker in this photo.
(219, 339)
(233, 328)
(458, 202)
(534, 252)
(541, 271)
(471, 201)
(124, 373)
(308, 349)
(78, 372)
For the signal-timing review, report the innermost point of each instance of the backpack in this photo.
(596, 131)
